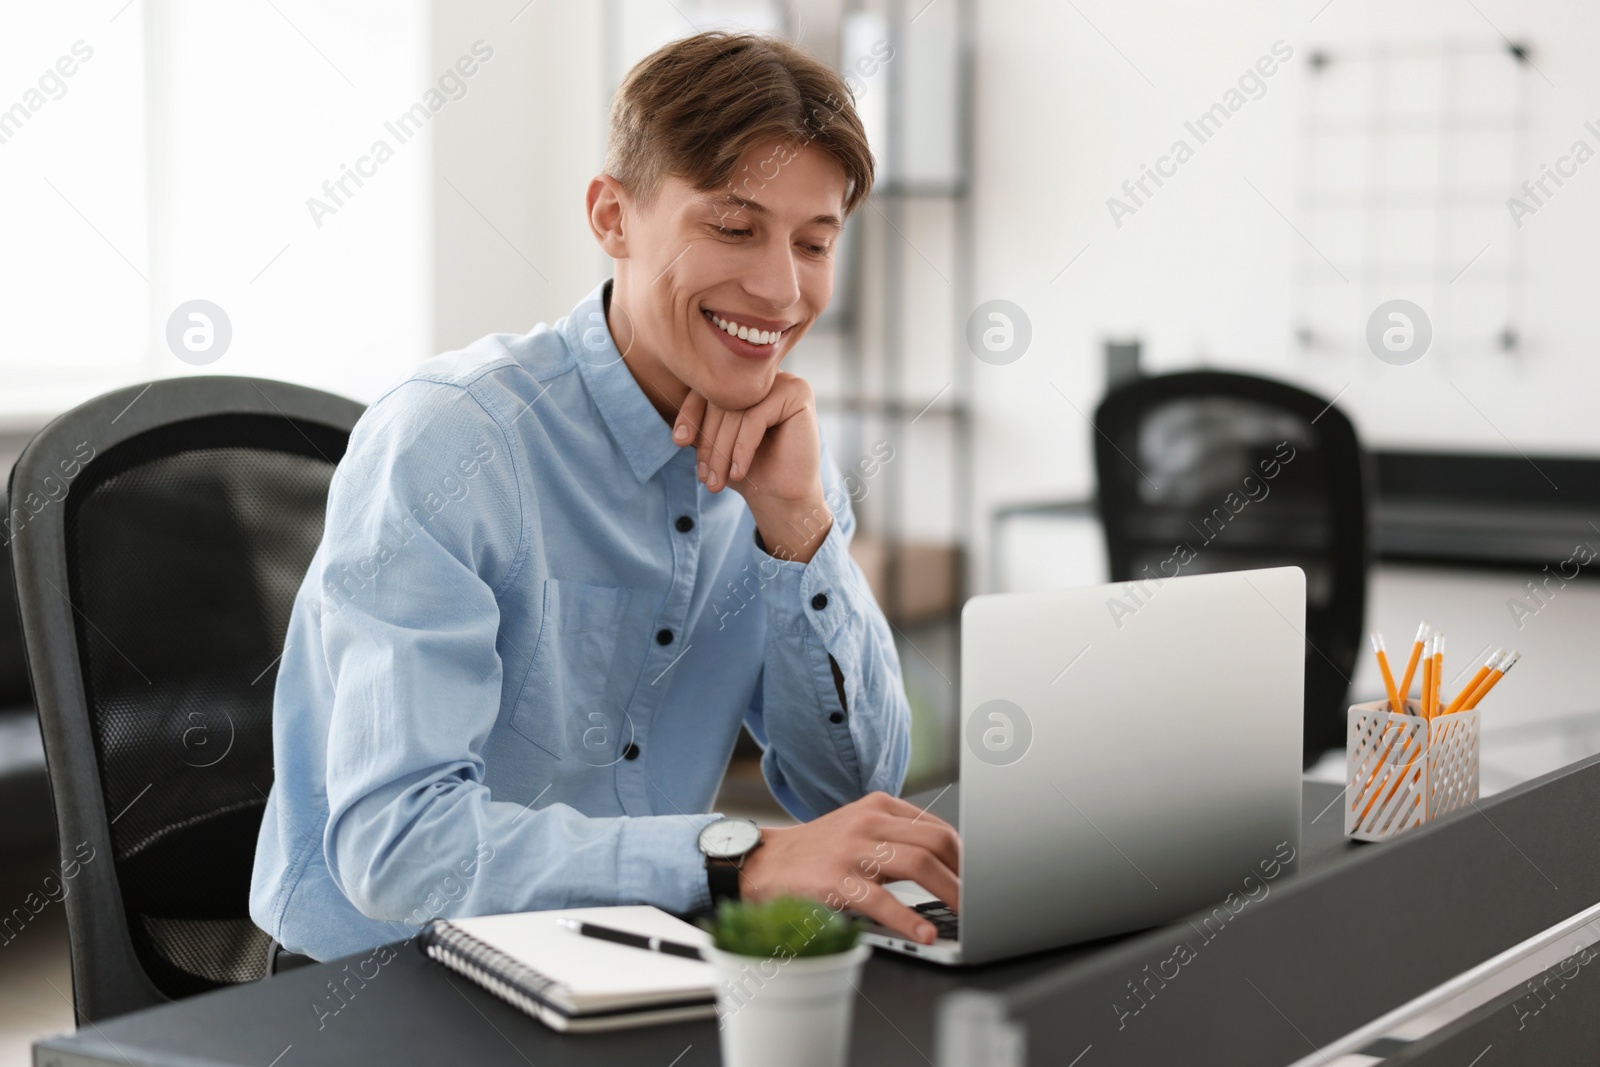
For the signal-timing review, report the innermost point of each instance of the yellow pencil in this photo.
(1400, 776)
(1477, 680)
(1438, 674)
(1494, 677)
(1428, 677)
(1388, 676)
(1427, 659)
(1411, 664)
(1396, 705)
(1382, 759)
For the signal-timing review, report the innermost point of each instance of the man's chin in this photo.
(735, 396)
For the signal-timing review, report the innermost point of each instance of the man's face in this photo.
(757, 255)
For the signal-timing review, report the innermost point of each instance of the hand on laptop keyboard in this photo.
(944, 920)
(842, 858)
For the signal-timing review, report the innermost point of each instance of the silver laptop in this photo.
(1130, 753)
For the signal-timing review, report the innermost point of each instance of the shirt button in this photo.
(631, 752)
(819, 601)
(663, 637)
(836, 717)
(685, 524)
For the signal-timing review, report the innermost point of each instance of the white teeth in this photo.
(745, 333)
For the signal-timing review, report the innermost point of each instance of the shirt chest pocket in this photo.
(570, 671)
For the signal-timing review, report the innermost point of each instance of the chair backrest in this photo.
(1212, 471)
(159, 534)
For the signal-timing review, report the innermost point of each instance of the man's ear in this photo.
(607, 203)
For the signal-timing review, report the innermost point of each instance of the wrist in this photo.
(792, 530)
(755, 874)
(726, 845)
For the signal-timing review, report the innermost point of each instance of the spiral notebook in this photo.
(575, 983)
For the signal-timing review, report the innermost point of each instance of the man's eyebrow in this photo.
(736, 201)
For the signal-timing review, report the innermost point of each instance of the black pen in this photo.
(623, 937)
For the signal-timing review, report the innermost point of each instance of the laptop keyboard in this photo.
(943, 919)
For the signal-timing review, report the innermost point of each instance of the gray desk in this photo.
(1309, 947)
(1348, 943)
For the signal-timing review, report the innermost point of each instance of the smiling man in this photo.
(517, 666)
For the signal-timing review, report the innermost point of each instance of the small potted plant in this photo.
(787, 971)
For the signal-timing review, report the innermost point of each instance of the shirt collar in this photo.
(635, 424)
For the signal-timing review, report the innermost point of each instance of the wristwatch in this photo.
(725, 843)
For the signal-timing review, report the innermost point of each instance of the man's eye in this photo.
(731, 233)
(817, 250)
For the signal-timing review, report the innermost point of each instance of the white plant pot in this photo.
(786, 1013)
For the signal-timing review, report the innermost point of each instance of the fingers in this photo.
(690, 415)
(910, 843)
(726, 442)
(709, 426)
(897, 806)
(917, 864)
(753, 429)
(721, 457)
(880, 905)
(843, 857)
(940, 841)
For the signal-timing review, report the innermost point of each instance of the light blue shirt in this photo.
(517, 665)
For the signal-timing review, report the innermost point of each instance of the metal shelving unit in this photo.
(880, 240)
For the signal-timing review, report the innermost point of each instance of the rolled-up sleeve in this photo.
(427, 526)
(820, 754)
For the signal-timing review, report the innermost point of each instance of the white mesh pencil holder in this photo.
(1402, 770)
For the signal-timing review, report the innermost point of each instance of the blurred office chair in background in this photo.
(154, 588)
(1244, 472)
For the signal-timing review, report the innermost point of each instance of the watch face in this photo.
(729, 838)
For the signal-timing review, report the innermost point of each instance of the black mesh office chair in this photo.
(1169, 452)
(154, 586)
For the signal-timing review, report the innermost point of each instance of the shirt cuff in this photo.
(659, 862)
(821, 594)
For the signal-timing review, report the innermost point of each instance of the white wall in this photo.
(511, 164)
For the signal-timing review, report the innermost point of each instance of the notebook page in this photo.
(599, 973)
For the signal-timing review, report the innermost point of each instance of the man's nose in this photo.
(775, 279)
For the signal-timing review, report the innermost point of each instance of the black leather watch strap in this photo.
(722, 878)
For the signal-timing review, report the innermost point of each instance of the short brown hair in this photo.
(692, 107)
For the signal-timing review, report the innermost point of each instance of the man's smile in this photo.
(746, 337)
